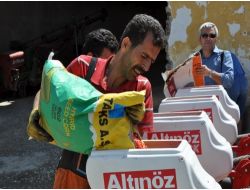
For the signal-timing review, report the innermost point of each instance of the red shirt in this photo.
(79, 67)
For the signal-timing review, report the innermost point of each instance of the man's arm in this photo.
(34, 128)
(146, 125)
(36, 100)
(217, 77)
(205, 71)
(227, 77)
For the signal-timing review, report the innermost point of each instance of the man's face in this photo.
(208, 39)
(138, 59)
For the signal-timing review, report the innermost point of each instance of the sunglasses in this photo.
(208, 35)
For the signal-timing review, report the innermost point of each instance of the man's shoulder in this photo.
(226, 53)
(86, 59)
(220, 51)
(82, 62)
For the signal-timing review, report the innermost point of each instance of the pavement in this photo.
(28, 164)
(23, 163)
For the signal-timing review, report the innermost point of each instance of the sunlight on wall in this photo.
(231, 19)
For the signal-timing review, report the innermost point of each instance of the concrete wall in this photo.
(230, 17)
(24, 21)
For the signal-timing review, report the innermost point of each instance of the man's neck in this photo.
(113, 73)
(206, 53)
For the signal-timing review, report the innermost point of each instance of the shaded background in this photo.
(37, 28)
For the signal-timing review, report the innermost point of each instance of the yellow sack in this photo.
(111, 126)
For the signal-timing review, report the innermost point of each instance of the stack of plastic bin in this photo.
(222, 121)
(163, 165)
(214, 151)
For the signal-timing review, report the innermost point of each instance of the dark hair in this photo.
(140, 26)
(99, 39)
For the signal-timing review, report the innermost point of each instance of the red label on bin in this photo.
(147, 179)
(209, 113)
(193, 137)
(171, 87)
(207, 110)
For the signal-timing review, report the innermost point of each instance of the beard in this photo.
(134, 72)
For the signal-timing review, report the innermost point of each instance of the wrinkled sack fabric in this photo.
(79, 117)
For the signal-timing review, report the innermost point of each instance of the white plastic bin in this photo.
(223, 122)
(213, 150)
(227, 103)
(172, 167)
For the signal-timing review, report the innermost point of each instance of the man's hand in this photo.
(35, 130)
(135, 113)
(203, 70)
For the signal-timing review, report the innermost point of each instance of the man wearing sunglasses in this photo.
(217, 65)
(218, 68)
(222, 67)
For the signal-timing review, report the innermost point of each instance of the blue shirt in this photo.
(226, 68)
(238, 91)
(238, 70)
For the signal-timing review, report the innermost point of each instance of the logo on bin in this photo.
(207, 110)
(147, 179)
(209, 113)
(193, 137)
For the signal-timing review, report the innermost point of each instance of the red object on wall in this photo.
(11, 65)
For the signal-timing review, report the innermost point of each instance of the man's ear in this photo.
(126, 43)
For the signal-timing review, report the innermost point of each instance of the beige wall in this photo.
(231, 19)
